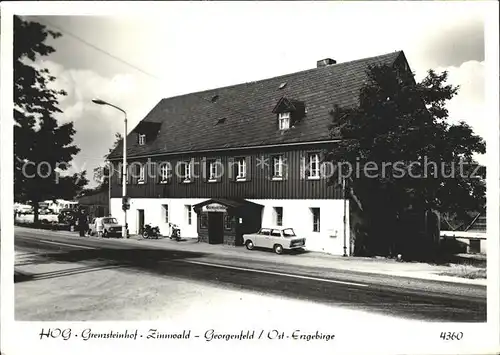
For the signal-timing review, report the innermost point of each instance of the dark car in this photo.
(68, 216)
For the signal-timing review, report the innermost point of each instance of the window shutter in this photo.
(219, 170)
(170, 171)
(146, 166)
(129, 174)
(205, 172)
(230, 169)
(191, 169)
(135, 169)
(304, 165)
(179, 171)
(286, 162)
(268, 166)
(135, 172)
(159, 168)
(249, 168)
(323, 173)
(154, 171)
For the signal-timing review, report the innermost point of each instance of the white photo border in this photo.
(23, 337)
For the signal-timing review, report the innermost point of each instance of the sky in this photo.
(191, 47)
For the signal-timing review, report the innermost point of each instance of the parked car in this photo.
(68, 216)
(278, 239)
(105, 227)
(24, 210)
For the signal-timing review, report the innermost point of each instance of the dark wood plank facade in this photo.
(259, 183)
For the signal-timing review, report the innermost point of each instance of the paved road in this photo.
(377, 294)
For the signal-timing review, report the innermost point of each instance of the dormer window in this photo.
(289, 112)
(284, 120)
(142, 139)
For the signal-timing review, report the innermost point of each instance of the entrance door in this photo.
(140, 221)
(215, 228)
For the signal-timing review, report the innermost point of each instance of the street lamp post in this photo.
(344, 187)
(124, 169)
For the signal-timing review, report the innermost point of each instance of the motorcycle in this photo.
(176, 232)
(150, 232)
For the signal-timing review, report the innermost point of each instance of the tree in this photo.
(400, 132)
(43, 149)
(102, 173)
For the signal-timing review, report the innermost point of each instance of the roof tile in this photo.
(188, 122)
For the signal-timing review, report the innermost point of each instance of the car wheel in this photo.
(278, 249)
(249, 245)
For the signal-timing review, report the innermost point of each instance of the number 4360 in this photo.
(451, 335)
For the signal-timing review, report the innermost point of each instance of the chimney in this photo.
(325, 62)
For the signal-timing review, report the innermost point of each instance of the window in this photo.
(242, 168)
(313, 166)
(165, 213)
(186, 171)
(142, 173)
(284, 120)
(315, 219)
(165, 172)
(228, 222)
(204, 220)
(278, 216)
(188, 214)
(289, 232)
(142, 139)
(276, 233)
(278, 167)
(212, 170)
(265, 231)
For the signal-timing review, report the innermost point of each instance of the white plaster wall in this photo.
(483, 244)
(297, 215)
(154, 214)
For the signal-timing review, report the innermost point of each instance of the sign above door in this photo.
(214, 207)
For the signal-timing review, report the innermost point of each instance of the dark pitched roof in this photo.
(192, 122)
(234, 204)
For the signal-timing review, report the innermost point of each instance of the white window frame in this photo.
(142, 174)
(316, 224)
(142, 139)
(187, 171)
(228, 218)
(164, 173)
(242, 169)
(278, 167)
(277, 222)
(212, 170)
(189, 214)
(166, 213)
(284, 120)
(313, 173)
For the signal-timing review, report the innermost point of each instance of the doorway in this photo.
(140, 221)
(215, 227)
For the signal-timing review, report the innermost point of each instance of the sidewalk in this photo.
(316, 259)
(311, 259)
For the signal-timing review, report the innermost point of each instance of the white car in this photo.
(277, 238)
(105, 227)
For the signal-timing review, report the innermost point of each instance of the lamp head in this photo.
(99, 102)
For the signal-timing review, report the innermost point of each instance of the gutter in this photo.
(228, 149)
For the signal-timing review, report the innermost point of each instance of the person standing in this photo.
(82, 223)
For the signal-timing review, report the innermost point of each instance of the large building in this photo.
(227, 161)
